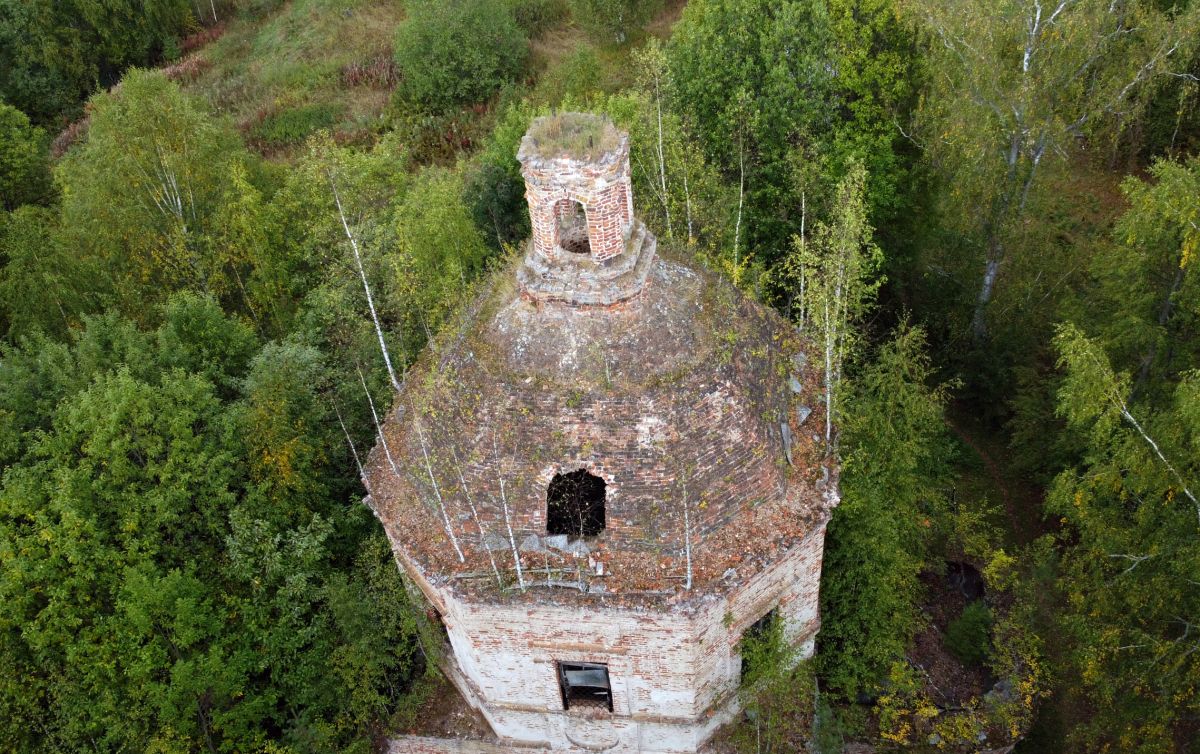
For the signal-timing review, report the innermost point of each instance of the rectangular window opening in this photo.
(584, 684)
(754, 641)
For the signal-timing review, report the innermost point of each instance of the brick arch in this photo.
(571, 231)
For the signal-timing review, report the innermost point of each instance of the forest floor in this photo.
(986, 472)
(989, 471)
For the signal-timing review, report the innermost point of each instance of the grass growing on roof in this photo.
(578, 134)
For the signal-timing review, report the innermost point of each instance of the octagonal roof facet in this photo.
(684, 402)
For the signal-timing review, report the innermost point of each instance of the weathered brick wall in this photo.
(603, 186)
(425, 745)
(688, 400)
(674, 672)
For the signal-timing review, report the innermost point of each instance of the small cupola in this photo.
(586, 248)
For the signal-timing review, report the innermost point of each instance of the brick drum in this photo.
(696, 408)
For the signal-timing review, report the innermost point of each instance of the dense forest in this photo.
(205, 206)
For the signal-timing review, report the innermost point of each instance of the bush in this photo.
(494, 190)
(294, 125)
(536, 16)
(575, 77)
(777, 692)
(457, 52)
(24, 162)
(611, 21)
(968, 636)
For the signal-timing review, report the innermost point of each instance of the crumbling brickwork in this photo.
(693, 405)
(596, 178)
(675, 673)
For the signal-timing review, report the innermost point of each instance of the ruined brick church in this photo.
(606, 474)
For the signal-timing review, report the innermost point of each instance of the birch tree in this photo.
(753, 77)
(150, 191)
(838, 282)
(1017, 83)
(1129, 553)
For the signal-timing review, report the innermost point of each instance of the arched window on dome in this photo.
(575, 504)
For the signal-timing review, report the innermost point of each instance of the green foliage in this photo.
(24, 162)
(179, 571)
(753, 77)
(967, 636)
(756, 80)
(1142, 303)
(895, 460)
(438, 247)
(778, 693)
(832, 285)
(1130, 513)
(457, 53)
(144, 195)
(613, 21)
(312, 248)
(538, 16)
(494, 190)
(42, 284)
(1011, 92)
(294, 125)
(879, 72)
(576, 77)
(904, 708)
(54, 53)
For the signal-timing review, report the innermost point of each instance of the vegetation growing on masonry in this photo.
(185, 561)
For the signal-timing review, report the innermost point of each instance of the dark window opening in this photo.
(572, 227)
(575, 504)
(758, 643)
(441, 624)
(584, 684)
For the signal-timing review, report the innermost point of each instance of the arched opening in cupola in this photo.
(572, 226)
(575, 504)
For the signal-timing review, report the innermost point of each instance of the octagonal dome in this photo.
(690, 402)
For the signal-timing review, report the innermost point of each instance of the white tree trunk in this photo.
(353, 451)
(512, 539)
(362, 274)
(1150, 441)
(475, 516)
(387, 451)
(737, 226)
(687, 204)
(979, 319)
(829, 338)
(662, 163)
(436, 489)
(687, 539)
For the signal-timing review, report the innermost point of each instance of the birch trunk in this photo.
(387, 451)
(512, 539)
(737, 226)
(662, 163)
(436, 489)
(362, 274)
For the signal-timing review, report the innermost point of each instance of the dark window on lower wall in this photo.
(755, 641)
(441, 624)
(584, 684)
